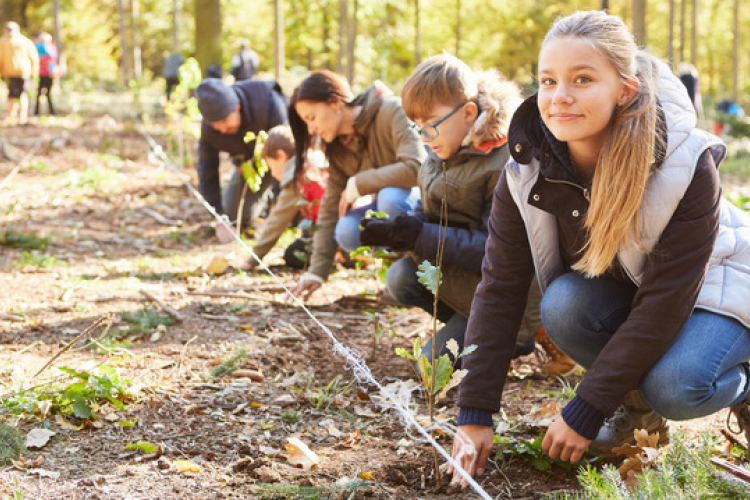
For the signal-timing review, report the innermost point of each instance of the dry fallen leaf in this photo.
(217, 265)
(185, 466)
(300, 454)
(353, 437)
(36, 438)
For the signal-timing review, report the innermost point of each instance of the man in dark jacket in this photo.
(229, 114)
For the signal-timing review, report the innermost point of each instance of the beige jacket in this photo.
(18, 57)
(384, 152)
(282, 215)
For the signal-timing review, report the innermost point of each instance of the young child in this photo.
(278, 152)
(613, 200)
(370, 150)
(462, 116)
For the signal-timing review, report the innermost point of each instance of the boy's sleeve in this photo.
(280, 218)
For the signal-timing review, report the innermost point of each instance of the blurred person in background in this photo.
(19, 63)
(49, 69)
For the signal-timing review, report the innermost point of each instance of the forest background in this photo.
(117, 44)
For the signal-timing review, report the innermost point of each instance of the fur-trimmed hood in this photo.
(498, 99)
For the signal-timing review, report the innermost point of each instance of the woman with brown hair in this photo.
(371, 150)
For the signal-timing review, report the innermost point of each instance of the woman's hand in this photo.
(307, 285)
(471, 449)
(564, 443)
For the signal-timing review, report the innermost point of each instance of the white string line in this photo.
(358, 366)
(22, 161)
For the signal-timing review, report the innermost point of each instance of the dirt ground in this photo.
(119, 225)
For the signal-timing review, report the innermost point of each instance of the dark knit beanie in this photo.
(216, 100)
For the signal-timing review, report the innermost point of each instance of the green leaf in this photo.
(70, 371)
(429, 277)
(81, 408)
(443, 370)
(417, 348)
(144, 446)
(400, 351)
(468, 350)
(128, 423)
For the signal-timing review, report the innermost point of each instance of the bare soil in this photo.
(119, 224)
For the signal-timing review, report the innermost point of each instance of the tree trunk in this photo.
(176, 11)
(694, 35)
(352, 45)
(343, 28)
(682, 29)
(134, 19)
(57, 16)
(278, 38)
(417, 32)
(208, 33)
(670, 38)
(458, 28)
(736, 53)
(639, 22)
(123, 44)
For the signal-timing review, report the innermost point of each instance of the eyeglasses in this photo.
(431, 131)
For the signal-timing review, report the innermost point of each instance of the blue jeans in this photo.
(403, 285)
(391, 200)
(704, 371)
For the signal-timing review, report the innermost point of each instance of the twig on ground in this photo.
(104, 320)
(236, 295)
(735, 470)
(161, 219)
(176, 315)
(12, 317)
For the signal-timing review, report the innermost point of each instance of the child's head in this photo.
(440, 97)
(277, 149)
(597, 93)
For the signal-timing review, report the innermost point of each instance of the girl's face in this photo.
(322, 118)
(445, 128)
(578, 91)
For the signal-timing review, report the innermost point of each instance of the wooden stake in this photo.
(176, 315)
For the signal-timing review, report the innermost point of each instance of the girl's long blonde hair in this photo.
(626, 160)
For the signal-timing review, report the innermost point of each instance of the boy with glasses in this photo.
(463, 116)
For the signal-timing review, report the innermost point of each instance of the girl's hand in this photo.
(473, 461)
(564, 443)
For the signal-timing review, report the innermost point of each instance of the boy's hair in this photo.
(442, 79)
(279, 139)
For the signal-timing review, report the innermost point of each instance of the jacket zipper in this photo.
(586, 193)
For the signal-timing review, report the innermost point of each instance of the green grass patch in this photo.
(229, 365)
(35, 259)
(81, 398)
(17, 239)
(145, 320)
(11, 443)
(96, 177)
(683, 470)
